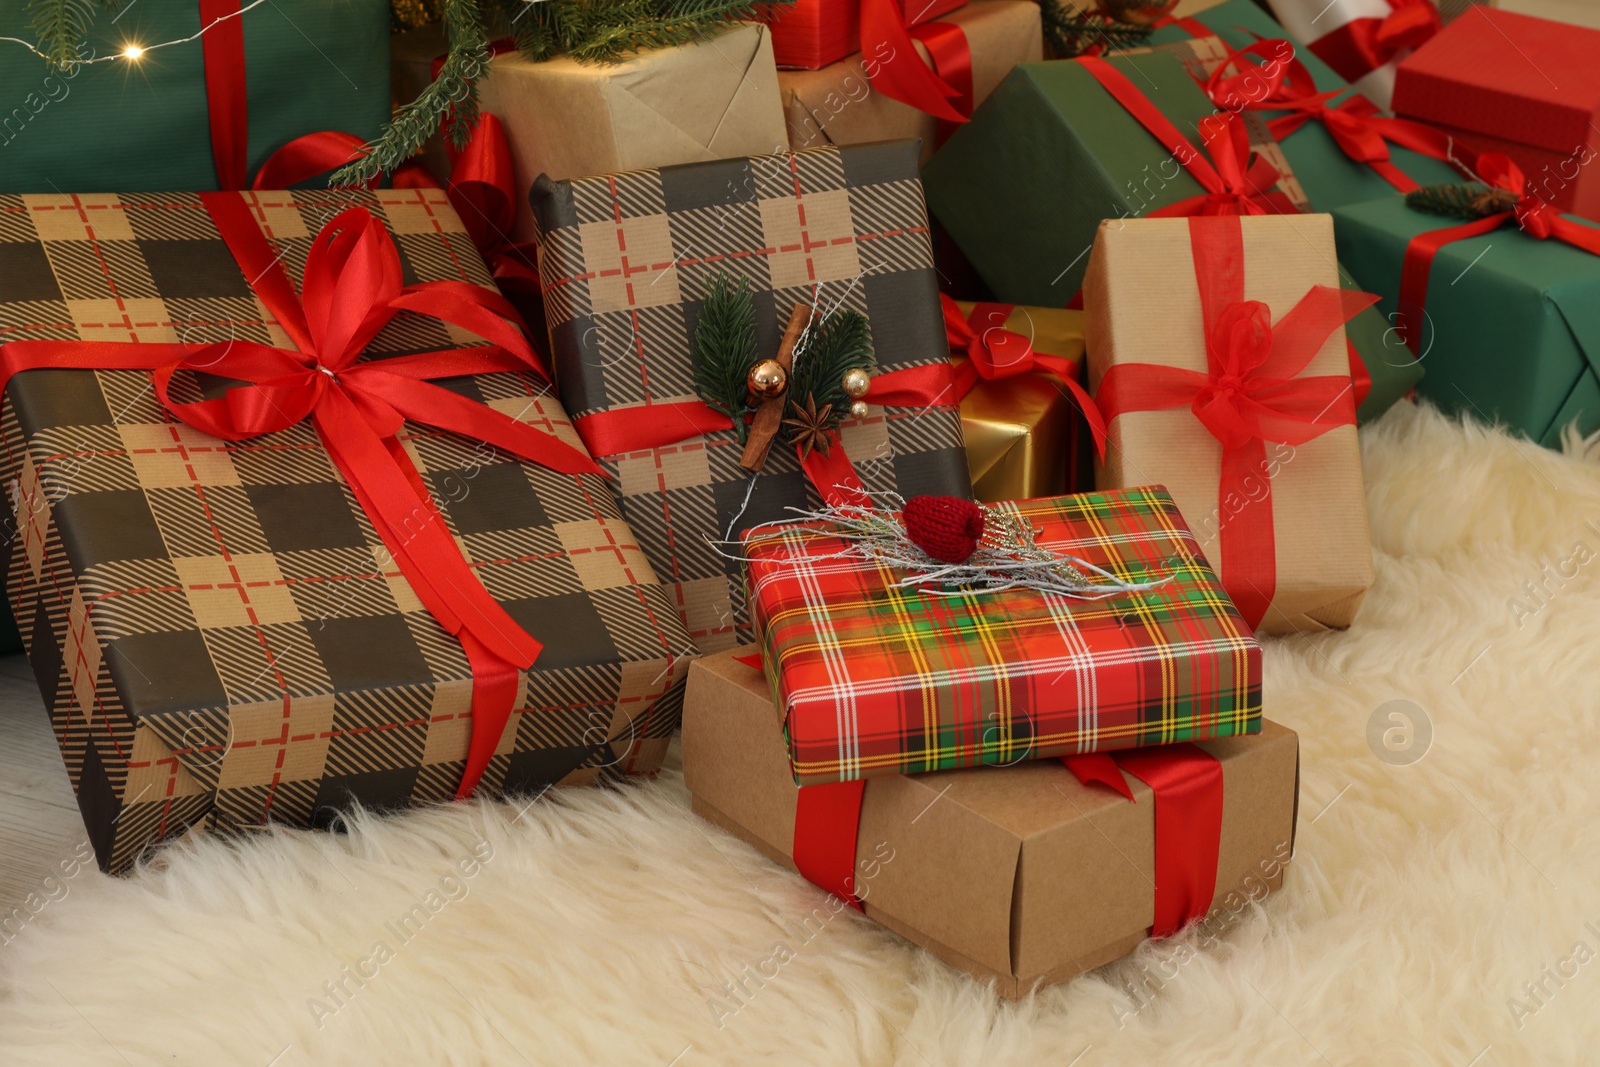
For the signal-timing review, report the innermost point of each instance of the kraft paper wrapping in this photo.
(713, 100)
(1142, 305)
(1022, 432)
(837, 104)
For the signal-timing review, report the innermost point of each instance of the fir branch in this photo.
(61, 28)
(839, 343)
(1467, 200)
(676, 22)
(1071, 31)
(725, 349)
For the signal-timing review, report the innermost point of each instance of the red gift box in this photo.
(813, 33)
(1524, 86)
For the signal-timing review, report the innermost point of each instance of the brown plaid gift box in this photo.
(625, 261)
(220, 635)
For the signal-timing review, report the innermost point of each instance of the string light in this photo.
(133, 52)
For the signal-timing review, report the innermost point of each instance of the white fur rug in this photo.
(1442, 911)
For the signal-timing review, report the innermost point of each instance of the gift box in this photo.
(205, 113)
(1023, 186)
(627, 262)
(1577, 12)
(1019, 876)
(811, 34)
(1509, 336)
(873, 678)
(1382, 369)
(568, 119)
(1311, 134)
(1475, 81)
(1218, 357)
(1025, 433)
(1362, 40)
(838, 104)
(229, 630)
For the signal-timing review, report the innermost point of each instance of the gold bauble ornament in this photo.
(858, 409)
(856, 383)
(767, 379)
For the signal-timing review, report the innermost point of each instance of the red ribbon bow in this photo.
(1237, 184)
(902, 76)
(1281, 82)
(1536, 216)
(1251, 393)
(351, 289)
(1362, 45)
(994, 352)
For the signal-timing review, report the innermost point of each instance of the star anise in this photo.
(812, 426)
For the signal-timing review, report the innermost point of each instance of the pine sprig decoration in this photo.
(1466, 200)
(840, 342)
(1070, 31)
(61, 28)
(725, 349)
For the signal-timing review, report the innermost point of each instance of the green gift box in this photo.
(1511, 324)
(1329, 178)
(1023, 187)
(144, 123)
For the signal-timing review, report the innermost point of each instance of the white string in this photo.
(134, 51)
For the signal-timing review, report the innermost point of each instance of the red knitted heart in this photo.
(945, 527)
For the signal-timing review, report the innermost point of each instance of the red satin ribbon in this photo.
(903, 76)
(994, 352)
(827, 823)
(1361, 46)
(1281, 83)
(351, 289)
(222, 49)
(1536, 217)
(951, 56)
(1187, 783)
(1236, 185)
(1250, 394)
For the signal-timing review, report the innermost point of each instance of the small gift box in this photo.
(1503, 317)
(1218, 356)
(632, 262)
(204, 112)
(874, 676)
(267, 567)
(1523, 86)
(811, 34)
(568, 119)
(1362, 40)
(1062, 145)
(1020, 876)
(972, 47)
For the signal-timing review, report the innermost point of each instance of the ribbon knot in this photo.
(1409, 24)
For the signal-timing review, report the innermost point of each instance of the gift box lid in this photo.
(1511, 76)
(875, 679)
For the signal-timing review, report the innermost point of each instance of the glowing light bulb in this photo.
(133, 51)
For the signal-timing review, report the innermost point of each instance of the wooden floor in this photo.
(39, 824)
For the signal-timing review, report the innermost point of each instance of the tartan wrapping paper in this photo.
(219, 634)
(625, 261)
(874, 680)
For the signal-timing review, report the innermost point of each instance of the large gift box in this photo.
(627, 261)
(1508, 325)
(1524, 86)
(1021, 876)
(203, 113)
(1023, 422)
(874, 678)
(1218, 355)
(567, 118)
(274, 623)
(1337, 149)
(811, 34)
(1062, 145)
(979, 43)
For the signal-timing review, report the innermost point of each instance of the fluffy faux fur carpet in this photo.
(1440, 910)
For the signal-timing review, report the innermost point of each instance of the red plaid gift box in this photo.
(873, 679)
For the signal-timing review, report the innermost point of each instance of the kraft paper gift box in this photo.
(569, 119)
(302, 66)
(220, 635)
(838, 105)
(811, 34)
(1021, 876)
(1577, 12)
(1323, 175)
(1024, 185)
(1524, 86)
(626, 261)
(872, 678)
(1288, 531)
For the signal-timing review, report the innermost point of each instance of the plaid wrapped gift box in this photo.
(625, 261)
(220, 636)
(873, 679)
